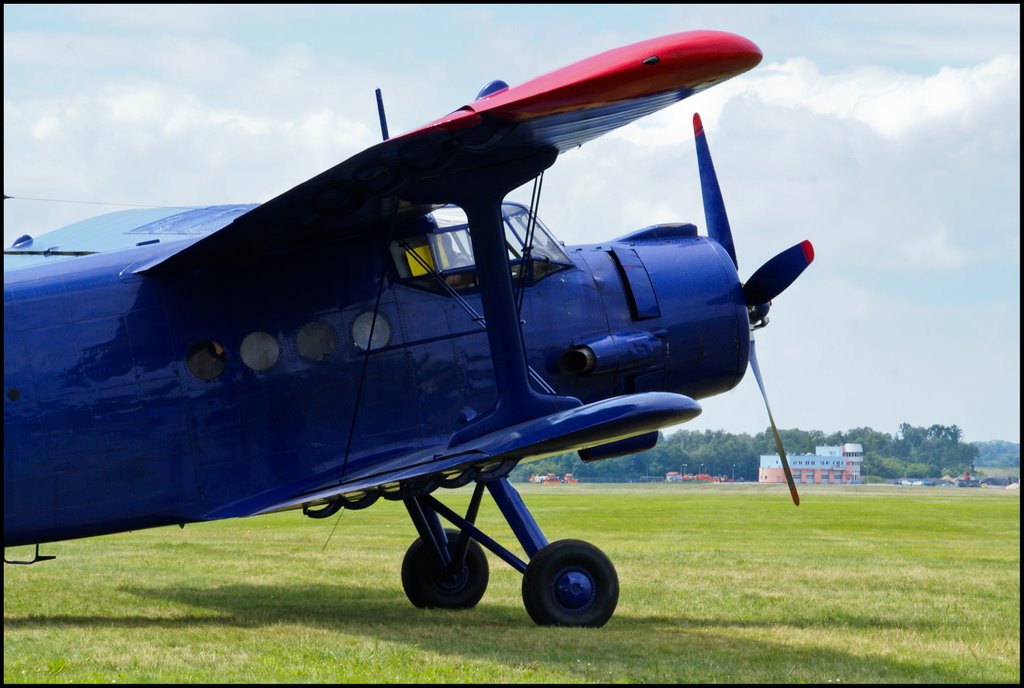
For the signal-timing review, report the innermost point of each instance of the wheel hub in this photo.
(574, 589)
(451, 581)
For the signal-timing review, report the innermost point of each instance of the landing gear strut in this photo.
(565, 583)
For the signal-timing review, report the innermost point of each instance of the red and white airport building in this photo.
(826, 466)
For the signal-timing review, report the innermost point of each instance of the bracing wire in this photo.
(341, 512)
(66, 200)
(531, 225)
(369, 344)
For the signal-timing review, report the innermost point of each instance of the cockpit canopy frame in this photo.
(441, 249)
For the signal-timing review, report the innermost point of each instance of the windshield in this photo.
(447, 251)
(453, 237)
(544, 245)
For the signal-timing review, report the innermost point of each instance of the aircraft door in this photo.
(439, 382)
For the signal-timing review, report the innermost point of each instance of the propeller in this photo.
(775, 431)
(767, 282)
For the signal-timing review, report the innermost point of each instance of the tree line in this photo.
(998, 453)
(919, 452)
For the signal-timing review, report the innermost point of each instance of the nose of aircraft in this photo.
(704, 315)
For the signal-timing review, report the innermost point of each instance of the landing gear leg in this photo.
(443, 567)
(567, 582)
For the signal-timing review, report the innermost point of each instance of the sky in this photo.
(887, 135)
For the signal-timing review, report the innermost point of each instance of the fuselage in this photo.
(134, 400)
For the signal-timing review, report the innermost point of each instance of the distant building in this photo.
(826, 466)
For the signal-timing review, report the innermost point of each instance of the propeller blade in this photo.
(772, 278)
(778, 440)
(714, 206)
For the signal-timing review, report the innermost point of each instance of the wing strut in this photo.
(480, 192)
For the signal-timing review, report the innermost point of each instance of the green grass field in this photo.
(720, 584)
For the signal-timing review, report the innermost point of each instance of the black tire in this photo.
(427, 586)
(570, 583)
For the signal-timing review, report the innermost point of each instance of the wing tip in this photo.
(808, 251)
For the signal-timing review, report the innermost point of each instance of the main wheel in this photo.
(428, 585)
(570, 583)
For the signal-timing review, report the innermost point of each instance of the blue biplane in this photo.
(387, 328)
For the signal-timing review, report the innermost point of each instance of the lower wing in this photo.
(591, 425)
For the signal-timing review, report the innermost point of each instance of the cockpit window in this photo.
(544, 245)
(453, 249)
(445, 252)
(450, 216)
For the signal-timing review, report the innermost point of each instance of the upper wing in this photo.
(121, 230)
(557, 111)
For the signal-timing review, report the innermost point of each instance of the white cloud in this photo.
(895, 105)
(885, 170)
(891, 103)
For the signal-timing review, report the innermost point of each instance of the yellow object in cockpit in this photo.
(419, 259)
